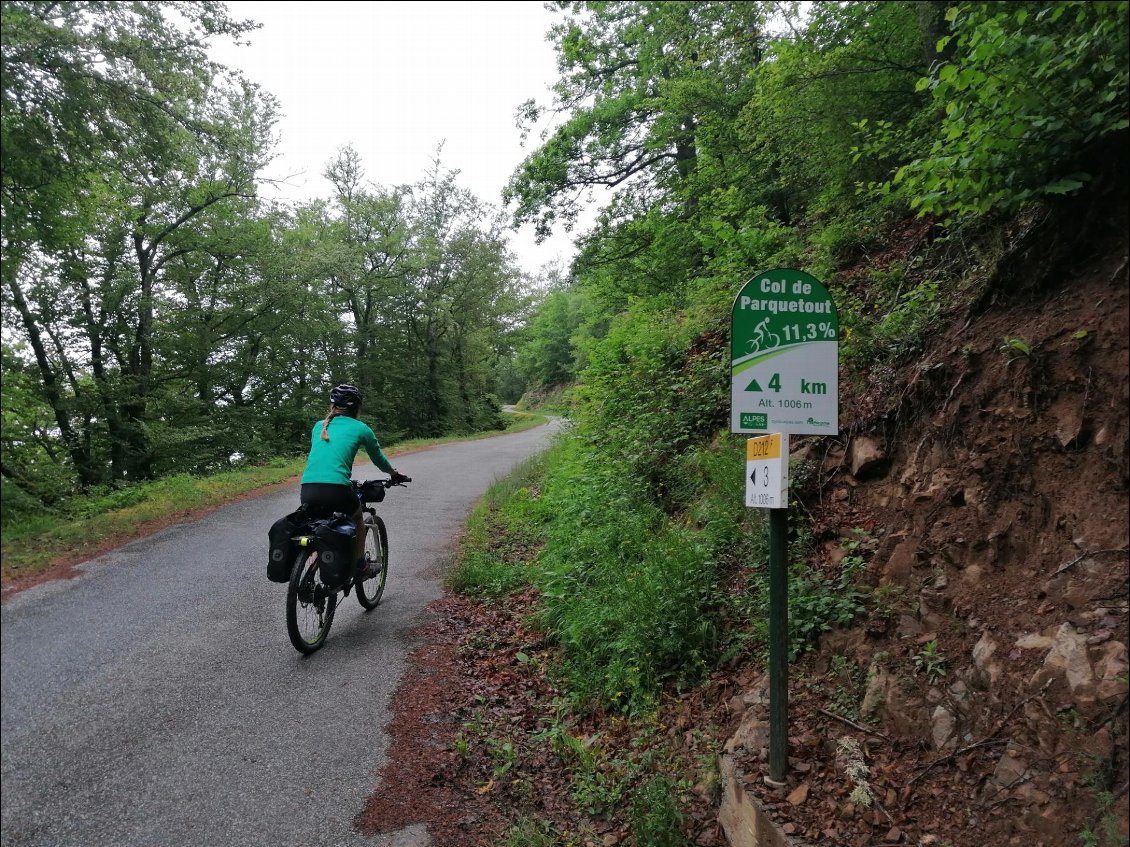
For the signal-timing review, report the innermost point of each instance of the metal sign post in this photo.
(778, 644)
(784, 380)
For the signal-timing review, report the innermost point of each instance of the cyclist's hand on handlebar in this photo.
(398, 478)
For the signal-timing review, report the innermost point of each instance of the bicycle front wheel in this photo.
(310, 605)
(370, 589)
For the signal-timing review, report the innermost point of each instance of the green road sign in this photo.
(784, 356)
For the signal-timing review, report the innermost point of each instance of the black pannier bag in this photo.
(334, 540)
(282, 549)
(373, 491)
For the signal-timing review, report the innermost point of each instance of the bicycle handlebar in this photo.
(386, 483)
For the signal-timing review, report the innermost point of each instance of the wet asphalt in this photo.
(155, 700)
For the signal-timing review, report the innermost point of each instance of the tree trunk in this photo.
(88, 474)
(932, 21)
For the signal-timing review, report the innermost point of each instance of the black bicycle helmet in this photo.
(345, 396)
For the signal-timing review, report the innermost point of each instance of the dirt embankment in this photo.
(983, 701)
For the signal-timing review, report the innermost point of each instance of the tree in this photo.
(644, 85)
(1024, 90)
(84, 79)
(372, 236)
(114, 165)
(549, 354)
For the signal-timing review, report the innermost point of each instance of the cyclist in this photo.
(334, 443)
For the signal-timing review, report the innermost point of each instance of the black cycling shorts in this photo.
(324, 498)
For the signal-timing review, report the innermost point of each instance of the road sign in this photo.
(767, 472)
(784, 356)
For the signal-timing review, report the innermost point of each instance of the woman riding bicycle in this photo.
(334, 443)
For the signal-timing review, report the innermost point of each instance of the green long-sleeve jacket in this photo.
(332, 461)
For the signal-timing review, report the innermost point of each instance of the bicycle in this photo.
(310, 602)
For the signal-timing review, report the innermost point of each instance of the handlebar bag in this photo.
(282, 548)
(373, 491)
(334, 543)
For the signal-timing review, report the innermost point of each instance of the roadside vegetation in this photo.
(897, 151)
(161, 319)
(85, 524)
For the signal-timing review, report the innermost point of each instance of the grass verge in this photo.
(93, 524)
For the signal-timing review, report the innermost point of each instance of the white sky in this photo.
(395, 79)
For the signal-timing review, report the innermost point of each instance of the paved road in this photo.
(156, 701)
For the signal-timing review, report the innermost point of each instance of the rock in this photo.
(1111, 670)
(1030, 795)
(959, 696)
(867, 458)
(752, 734)
(1099, 637)
(1069, 655)
(1069, 426)
(758, 692)
(942, 728)
(1034, 641)
(901, 561)
(876, 695)
(972, 574)
(909, 626)
(1077, 597)
(879, 684)
(1009, 771)
(983, 652)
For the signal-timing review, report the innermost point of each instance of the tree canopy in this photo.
(160, 317)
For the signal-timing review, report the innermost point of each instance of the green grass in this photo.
(502, 534)
(31, 546)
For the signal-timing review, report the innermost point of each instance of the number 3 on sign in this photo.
(767, 475)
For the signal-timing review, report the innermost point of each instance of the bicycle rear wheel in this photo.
(370, 589)
(310, 605)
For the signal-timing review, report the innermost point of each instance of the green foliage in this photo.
(930, 661)
(816, 606)
(655, 385)
(894, 324)
(632, 598)
(667, 80)
(549, 354)
(1028, 86)
(851, 65)
(483, 575)
(655, 816)
(504, 531)
(848, 685)
(858, 546)
(843, 240)
(532, 832)
(1016, 347)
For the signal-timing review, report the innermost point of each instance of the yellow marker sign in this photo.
(763, 447)
(767, 472)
